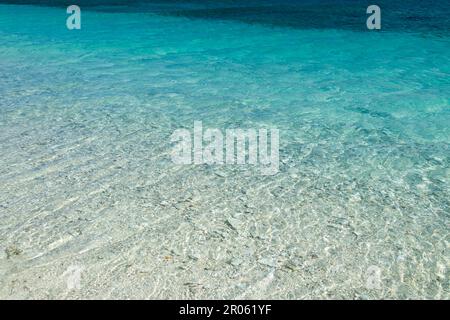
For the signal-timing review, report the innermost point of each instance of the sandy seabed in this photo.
(88, 190)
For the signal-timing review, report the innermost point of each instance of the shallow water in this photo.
(86, 178)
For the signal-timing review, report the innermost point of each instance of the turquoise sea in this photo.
(360, 206)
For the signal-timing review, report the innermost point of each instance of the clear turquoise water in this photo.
(85, 170)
